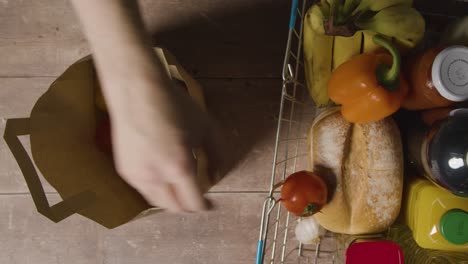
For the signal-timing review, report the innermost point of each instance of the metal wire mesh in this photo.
(276, 242)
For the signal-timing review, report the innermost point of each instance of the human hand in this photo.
(153, 134)
(155, 125)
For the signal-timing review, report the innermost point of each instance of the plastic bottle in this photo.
(414, 254)
(437, 218)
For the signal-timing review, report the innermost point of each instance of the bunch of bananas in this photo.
(336, 30)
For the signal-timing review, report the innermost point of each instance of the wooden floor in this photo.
(234, 48)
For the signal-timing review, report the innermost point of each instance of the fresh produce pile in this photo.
(362, 70)
(335, 31)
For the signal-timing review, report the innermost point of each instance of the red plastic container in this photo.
(371, 252)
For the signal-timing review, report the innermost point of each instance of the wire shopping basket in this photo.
(276, 241)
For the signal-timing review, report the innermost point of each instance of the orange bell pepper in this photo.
(367, 87)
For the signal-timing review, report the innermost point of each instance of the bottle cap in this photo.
(454, 226)
(450, 73)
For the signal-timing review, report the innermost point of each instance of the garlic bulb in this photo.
(309, 231)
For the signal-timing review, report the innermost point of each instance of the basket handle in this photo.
(57, 212)
(292, 18)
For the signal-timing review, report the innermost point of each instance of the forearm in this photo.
(155, 125)
(121, 48)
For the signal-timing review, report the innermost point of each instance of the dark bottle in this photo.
(441, 152)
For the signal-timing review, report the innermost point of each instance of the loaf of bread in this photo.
(363, 167)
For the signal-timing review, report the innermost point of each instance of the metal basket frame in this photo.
(294, 98)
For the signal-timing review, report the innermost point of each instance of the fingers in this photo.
(186, 187)
(162, 194)
(189, 194)
(177, 189)
(183, 196)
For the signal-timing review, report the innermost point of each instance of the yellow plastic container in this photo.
(438, 218)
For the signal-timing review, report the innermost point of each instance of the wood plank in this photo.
(246, 110)
(28, 237)
(245, 40)
(17, 98)
(213, 38)
(227, 234)
(18, 95)
(38, 38)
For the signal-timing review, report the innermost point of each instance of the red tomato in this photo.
(304, 193)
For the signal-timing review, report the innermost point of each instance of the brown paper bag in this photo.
(62, 133)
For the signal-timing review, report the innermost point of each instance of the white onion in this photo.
(309, 231)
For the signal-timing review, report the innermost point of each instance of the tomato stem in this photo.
(310, 209)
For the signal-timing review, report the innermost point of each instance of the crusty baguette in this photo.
(363, 164)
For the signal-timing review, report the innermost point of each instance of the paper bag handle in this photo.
(57, 212)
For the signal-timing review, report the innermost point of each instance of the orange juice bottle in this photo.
(437, 218)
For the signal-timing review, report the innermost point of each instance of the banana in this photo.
(349, 6)
(314, 18)
(325, 7)
(401, 22)
(322, 55)
(369, 46)
(318, 54)
(394, 19)
(344, 48)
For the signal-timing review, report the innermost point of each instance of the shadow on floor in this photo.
(237, 55)
(245, 43)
